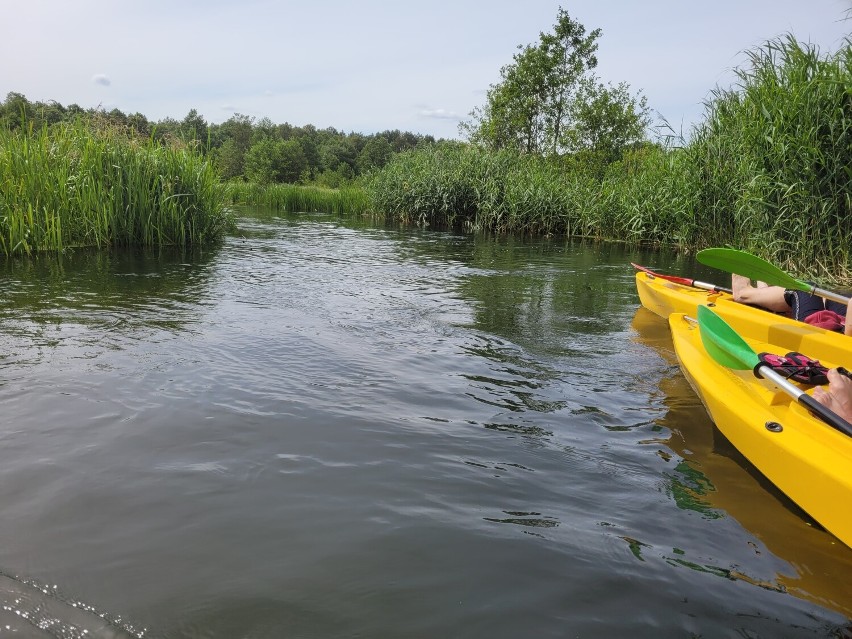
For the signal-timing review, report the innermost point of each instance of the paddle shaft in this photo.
(823, 412)
(683, 280)
(830, 295)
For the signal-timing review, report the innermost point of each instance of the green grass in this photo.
(294, 198)
(86, 184)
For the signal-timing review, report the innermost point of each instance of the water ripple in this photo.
(325, 428)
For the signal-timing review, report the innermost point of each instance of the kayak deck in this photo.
(663, 298)
(805, 458)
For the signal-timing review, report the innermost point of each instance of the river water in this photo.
(328, 428)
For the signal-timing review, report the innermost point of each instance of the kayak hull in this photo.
(663, 298)
(806, 459)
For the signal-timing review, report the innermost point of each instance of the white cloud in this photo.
(439, 114)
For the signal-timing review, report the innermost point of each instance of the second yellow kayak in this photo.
(805, 458)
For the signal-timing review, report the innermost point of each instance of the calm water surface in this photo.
(327, 429)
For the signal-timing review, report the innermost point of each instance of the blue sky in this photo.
(373, 65)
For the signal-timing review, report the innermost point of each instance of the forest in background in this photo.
(242, 147)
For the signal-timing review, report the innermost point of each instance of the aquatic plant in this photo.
(767, 170)
(293, 198)
(775, 153)
(90, 184)
(462, 185)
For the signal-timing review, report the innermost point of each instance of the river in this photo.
(333, 428)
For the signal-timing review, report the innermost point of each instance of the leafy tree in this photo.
(139, 123)
(548, 101)
(529, 109)
(17, 110)
(261, 161)
(167, 128)
(336, 155)
(50, 112)
(74, 110)
(117, 116)
(265, 129)
(309, 148)
(229, 159)
(375, 154)
(331, 179)
(194, 127)
(292, 161)
(239, 128)
(606, 119)
(230, 141)
(269, 161)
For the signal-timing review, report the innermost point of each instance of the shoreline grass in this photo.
(86, 184)
(767, 171)
(294, 198)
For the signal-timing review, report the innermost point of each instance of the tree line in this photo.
(548, 103)
(241, 147)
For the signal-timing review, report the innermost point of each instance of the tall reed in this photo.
(461, 185)
(775, 154)
(295, 198)
(86, 184)
(767, 170)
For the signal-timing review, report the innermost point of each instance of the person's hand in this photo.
(838, 396)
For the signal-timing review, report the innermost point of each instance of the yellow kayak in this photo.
(815, 562)
(664, 297)
(806, 459)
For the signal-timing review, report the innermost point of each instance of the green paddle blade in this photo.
(749, 266)
(723, 343)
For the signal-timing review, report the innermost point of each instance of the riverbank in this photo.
(766, 171)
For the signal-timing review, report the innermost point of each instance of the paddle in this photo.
(755, 268)
(727, 348)
(682, 280)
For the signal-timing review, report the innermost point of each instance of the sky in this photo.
(371, 65)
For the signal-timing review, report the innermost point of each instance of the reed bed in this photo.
(452, 184)
(776, 154)
(85, 184)
(293, 198)
(766, 171)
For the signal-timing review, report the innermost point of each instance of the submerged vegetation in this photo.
(88, 185)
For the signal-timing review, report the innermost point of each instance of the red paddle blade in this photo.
(670, 278)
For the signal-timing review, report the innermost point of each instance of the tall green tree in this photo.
(232, 139)
(138, 123)
(375, 154)
(194, 127)
(269, 161)
(261, 162)
(530, 107)
(16, 111)
(292, 161)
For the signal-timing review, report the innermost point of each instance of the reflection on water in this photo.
(88, 302)
(326, 427)
(715, 480)
(29, 609)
